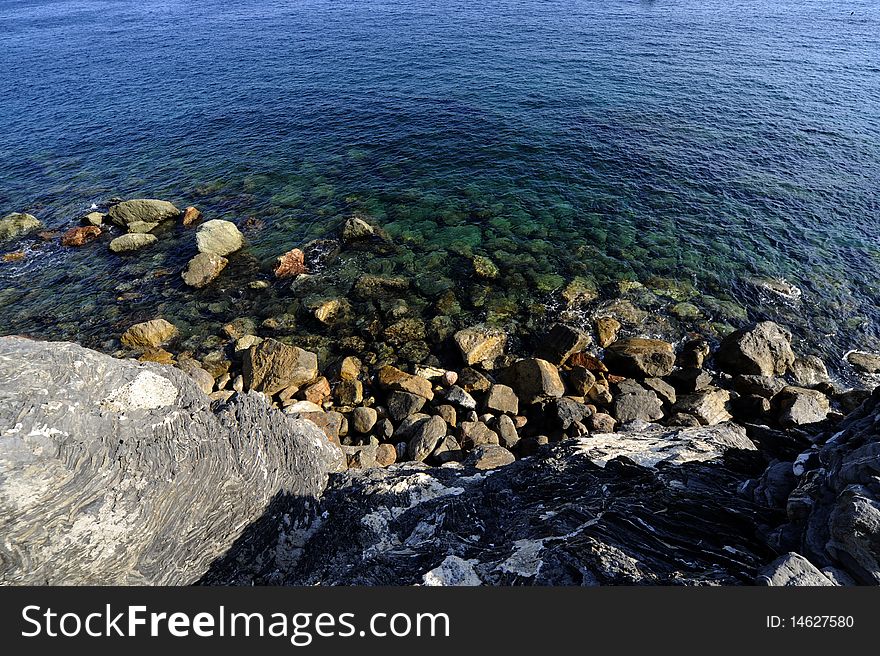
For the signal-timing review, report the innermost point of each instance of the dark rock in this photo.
(403, 404)
(749, 407)
(567, 412)
(765, 386)
(449, 450)
(708, 405)
(471, 380)
(349, 392)
(693, 354)
(363, 419)
(690, 380)
(503, 399)
(457, 396)
(580, 381)
(683, 419)
(640, 358)
(644, 406)
(489, 456)
(507, 432)
(425, 438)
(775, 485)
(664, 390)
(761, 350)
(560, 343)
(851, 399)
(534, 379)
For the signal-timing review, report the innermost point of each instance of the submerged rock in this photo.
(203, 269)
(147, 210)
(219, 237)
(868, 363)
(18, 224)
(118, 473)
(149, 335)
(80, 236)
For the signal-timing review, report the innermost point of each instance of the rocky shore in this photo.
(585, 419)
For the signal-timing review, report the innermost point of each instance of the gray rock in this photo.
(18, 224)
(141, 227)
(356, 229)
(868, 363)
(202, 378)
(426, 438)
(403, 404)
(561, 342)
(761, 350)
(792, 569)
(363, 420)
(144, 210)
(449, 450)
(503, 399)
(640, 358)
(475, 433)
(662, 389)
(132, 242)
(219, 238)
(203, 269)
(766, 386)
(567, 412)
(798, 406)
(457, 396)
(409, 426)
(645, 406)
(507, 435)
(489, 456)
(690, 380)
(118, 473)
(533, 379)
(750, 407)
(601, 422)
(808, 371)
(708, 405)
(271, 366)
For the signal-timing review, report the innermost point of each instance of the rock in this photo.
(868, 363)
(145, 210)
(579, 291)
(472, 381)
(503, 399)
(89, 447)
(194, 370)
(640, 358)
(750, 407)
(218, 237)
(560, 343)
(762, 350)
(664, 390)
(148, 335)
(373, 287)
(386, 455)
(489, 456)
(567, 413)
(363, 419)
(292, 264)
(141, 227)
(601, 422)
(392, 378)
(304, 408)
(244, 342)
(850, 400)
(132, 242)
(792, 569)
(808, 371)
(457, 396)
(356, 229)
(534, 379)
(203, 269)
(644, 406)
(239, 327)
(690, 380)
(765, 386)
(600, 393)
(798, 406)
(449, 379)
(425, 438)
(606, 330)
(317, 392)
(693, 354)
(94, 219)
(507, 435)
(580, 381)
(191, 215)
(405, 330)
(708, 405)
(80, 236)
(775, 485)
(485, 268)
(270, 366)
(361, 457)
(349, 368)
(589, 362)
(449, 450)
(349, 392)
(476, 433)
(403, 404)
(18, 224)
(480, 343)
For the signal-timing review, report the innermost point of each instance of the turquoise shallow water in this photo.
(706, 141)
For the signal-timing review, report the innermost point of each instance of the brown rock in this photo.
(317, 392)
(640, 358)
(588, 362)
(349, 392)
(601, 422)
(157, 355)
(479, 343)
(191, 215)
(490, 457)
(148, 335)
(203, 268)
(534, 379)
(80, 236)
(290, 264)
(561, 342)
(386, 455)
(270, 366)
(392, 378)
(606, 330)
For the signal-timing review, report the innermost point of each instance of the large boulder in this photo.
(114, 472)
(640, 358)
(534, 379)
(18, 224)
(761, 350)
(218, 238)
(144, 210)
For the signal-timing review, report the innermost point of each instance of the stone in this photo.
(868, 363)
(349, 392)
(191, 215)
(218, 237)
(693, 354)
(476, 433)
(270, 366)
(600, 393)
(449, 450)
(458, 397)
(690, 379)
(349, 368)
(374, 287)
(798, 406)
(588, 361)
(749, 407)
(317, 392)
(239, 327)
(80, 236)
(404, 330)
(304, 408)
(567, 413)
(766, 386)
(449, 379)
(356, 229)
(203, 269)
(403, 404)
(449, 414)
(507, 435)
(480, 343)
(244, 342)
(471, 380)
(534, 379)
(664, 390)
(194, 370)
(640, 358)
(606, 330)
(489, 456)
(809, 370)
(119, 461)
(561, 342)
(292, 264)
(132, 242)
(502, 399)
(708, 405)
(601, 422)
(361, 457)
(761, 350)
(644, 406)
(363, 419)
(386, 455)
(18, 224)
(149, 335)
(392, 378)
(792, 569)
(94, 219)
(580, 381)
(141, 227)
(143, 209)
(425, 438)
(485, 268)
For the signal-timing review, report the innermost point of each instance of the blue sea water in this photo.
(710, 142)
